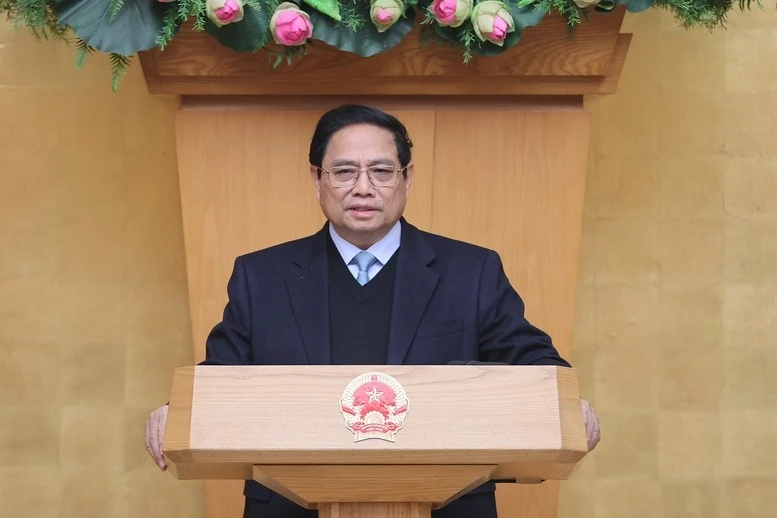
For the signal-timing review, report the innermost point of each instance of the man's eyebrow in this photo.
(377, 161)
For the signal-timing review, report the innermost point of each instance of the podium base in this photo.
(375, 510)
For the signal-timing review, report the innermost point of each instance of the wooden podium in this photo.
(376, 441)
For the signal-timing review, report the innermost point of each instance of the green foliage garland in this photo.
(121, 28)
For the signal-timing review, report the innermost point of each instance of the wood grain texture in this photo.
(519, 189)
(311, 485)
(527, 500)
(240, 415)
(372, 510)
(394, 104)
(178, 427)
(546, 61)
(237, 174)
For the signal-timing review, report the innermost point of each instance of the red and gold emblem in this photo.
(374, 406)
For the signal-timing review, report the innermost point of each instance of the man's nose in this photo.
(363, 185)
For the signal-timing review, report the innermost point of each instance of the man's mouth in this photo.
(362, 210)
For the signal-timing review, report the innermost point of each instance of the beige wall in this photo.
(677, 315)
(677, 310)
(93, 306)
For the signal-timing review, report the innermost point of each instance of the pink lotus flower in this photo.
(290, 25)
(451, 13)
(492, 21)
(222, 12)
(385, 13)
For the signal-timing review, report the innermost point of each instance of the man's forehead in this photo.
(362, 131)
(362, 143)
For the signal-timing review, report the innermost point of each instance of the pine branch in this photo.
(745, 4)
(185, 9)
(288, 54)
(116, 6)
(566, 8)
(351, 17)
(39, 16)
(467, 39)
(83, 49)
(119, 66)
(699, 13)
(170, 24)
(199, 13)
(199, 22)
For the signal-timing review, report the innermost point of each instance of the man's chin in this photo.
(363, 229)
(363, 222)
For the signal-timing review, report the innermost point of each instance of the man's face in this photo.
(362, 213)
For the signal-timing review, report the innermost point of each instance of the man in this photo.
(369, 289)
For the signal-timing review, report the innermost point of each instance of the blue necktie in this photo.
(364, 260)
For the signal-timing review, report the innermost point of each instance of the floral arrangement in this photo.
(286, 28)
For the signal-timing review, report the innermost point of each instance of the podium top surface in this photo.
(375, 415)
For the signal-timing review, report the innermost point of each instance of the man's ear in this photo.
(316, 180)
(409, 178)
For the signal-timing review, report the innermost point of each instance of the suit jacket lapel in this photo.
(308, 292)
(414, 284)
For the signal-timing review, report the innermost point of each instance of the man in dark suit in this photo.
(369, 289)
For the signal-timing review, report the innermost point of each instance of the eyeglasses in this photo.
(379, 175)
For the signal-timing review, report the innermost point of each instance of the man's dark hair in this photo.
(349, 114)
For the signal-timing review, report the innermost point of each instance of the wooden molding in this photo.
(308, 485)
(374, 510)
(547, 61)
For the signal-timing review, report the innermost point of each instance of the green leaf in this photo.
(330, 8)
(528, 16)
(606, 6)
(134, 28)
(248, 35)
(637, 6)
(366, 41)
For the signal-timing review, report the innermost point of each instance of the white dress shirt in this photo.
(382, 250)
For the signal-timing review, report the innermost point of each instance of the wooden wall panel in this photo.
(244, 185)
(507, 177)
(514, 180)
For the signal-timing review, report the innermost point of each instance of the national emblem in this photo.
(374, 406)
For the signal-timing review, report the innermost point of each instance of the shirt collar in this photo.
(382, 250)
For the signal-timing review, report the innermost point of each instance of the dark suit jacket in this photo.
(452, 302)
